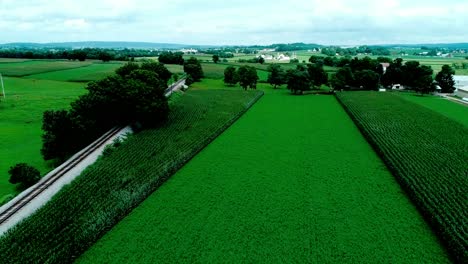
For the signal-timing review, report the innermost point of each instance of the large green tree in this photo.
(317, 75)
(343, 79)
(445, 79)
(133, 96)
(215, 58)
(230, 76)
(367, 79)
(298, 80)
(276, 76)
(247, 77)
(193, 68)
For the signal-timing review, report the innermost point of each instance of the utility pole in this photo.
(3, 87)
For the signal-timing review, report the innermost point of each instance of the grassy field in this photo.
(21, 121)
(38, 66)
(216, 70)
(443, 106)
(293, 181)
(427, 154)
(105, 192)
(91, 72)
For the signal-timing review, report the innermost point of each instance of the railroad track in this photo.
(41, 186)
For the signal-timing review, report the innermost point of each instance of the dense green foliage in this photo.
(24, 174)
(134, 94)
(169, 57)
(247, 77)
(426, 152)
(445, 79)
(193, 69)
(84, 210)
(75, 54)
(276, 75)
(21, 119)
(230, 76)
(412, 75)
(292, 181)
(297, 80)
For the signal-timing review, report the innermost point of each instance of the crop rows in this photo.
(426, 152)
(108, 190)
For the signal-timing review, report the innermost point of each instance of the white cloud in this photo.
(236, 22)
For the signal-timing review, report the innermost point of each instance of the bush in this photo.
(24, 174)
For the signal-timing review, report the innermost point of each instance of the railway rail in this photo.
(35, 190)
(11, 208)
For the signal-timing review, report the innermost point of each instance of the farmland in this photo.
(109, 189)
(19, 69)
(426, 152)
(21, 121)
(292, 181)
(91, 72)
(443, 106)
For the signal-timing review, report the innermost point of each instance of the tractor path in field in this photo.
(292, 181)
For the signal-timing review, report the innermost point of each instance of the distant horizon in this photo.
(226, 45)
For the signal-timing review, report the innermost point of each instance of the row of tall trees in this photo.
(169, 57)
(369, 74)
(300, 79)
(76, 54)
(134, 95)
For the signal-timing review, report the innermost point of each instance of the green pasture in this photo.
(21, 121)
(292, 181)
(441, 105)
(38, 66)
(91, 72)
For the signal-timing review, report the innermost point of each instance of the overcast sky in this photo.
(340, 22)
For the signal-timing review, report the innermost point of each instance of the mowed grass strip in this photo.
(440, 105)
(109, 189)
(21, 121)
(91, 72)
(293, 181)
(20, 69)
(427, 153)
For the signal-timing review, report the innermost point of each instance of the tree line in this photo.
(369, 74)
(77, 54)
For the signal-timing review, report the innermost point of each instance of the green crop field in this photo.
(21, 121)
(293, 181)
(111, 187)
(216, 70)
(91, 72)
(443, 106)
(12, 60)
(427, 153)
(175, 68)
(38, 66)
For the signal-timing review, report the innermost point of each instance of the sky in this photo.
(237, 22)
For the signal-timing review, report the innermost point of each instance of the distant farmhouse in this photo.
(279, 57)
(189, 51)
